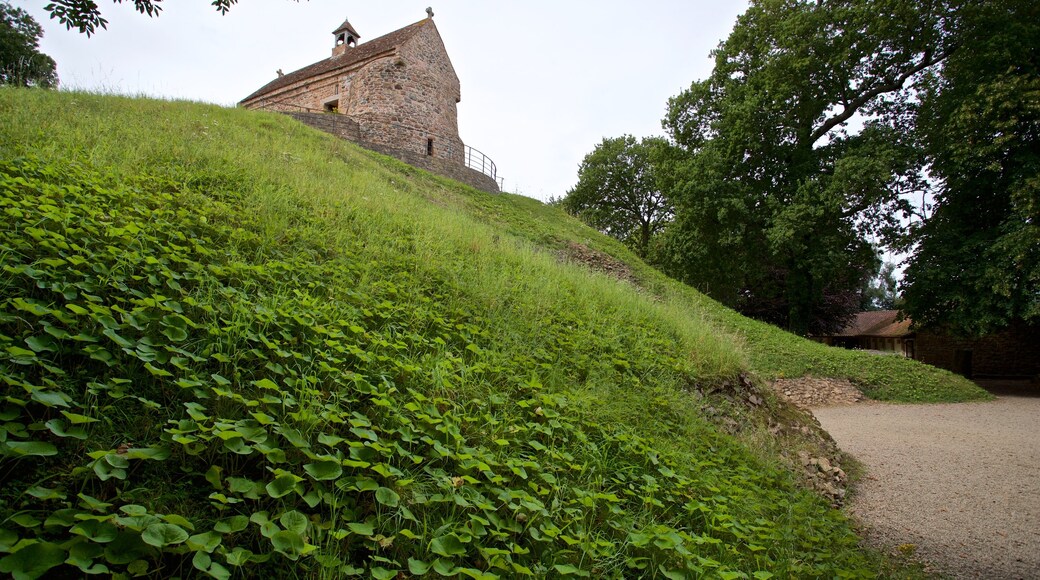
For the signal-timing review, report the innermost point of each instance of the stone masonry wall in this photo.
(404, 100)
(1013, 352)
(309, 95)
(341, 126)
(346, 128)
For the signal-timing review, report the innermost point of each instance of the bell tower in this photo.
(346, 37)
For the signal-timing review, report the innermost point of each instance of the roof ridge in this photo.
(357, 54)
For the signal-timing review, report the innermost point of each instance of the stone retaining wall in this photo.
(344, 127)
(341, 126)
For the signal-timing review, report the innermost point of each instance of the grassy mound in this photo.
(230, 345)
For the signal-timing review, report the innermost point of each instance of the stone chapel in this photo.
(396, 94)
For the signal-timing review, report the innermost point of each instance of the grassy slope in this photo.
(230, 343)
(769, 351)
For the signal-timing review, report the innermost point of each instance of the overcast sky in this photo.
(542, 82)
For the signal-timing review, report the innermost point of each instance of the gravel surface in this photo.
(958, 483)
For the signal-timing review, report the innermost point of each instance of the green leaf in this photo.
(33, 561)
(387, 497)
(763, 575)
(448, 545)
(267, 384)
(568, 570)
(82, 555)
(41, 343)
(418, 567)
(380, 573)
(330, 440)
(137, 567)
(95, 531)
(290, 544)
(206, 542)
(175, 334)
(131, 509)
(57, 426)
(162, 535)
(238, 557)
(219, 572)
(201, 561)
(324, 470)
(77, 419)
(361, 529)
(231, 525)
(50, 398)
(213, 477)
(445, 567)
(179, 520)
(294, 521)
(282, 485)
(154, 453)
(32, 448)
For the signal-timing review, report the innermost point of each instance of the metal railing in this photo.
(477, 161)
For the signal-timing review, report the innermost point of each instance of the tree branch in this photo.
(893, 84)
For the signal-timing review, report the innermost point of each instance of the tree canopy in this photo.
(797, 157)
(619, 190)
(21, 62)
(977, 264)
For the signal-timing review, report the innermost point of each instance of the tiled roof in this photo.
(354, 55)
(881, 323)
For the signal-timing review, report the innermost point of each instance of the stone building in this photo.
(396, 94)
(1010, 353)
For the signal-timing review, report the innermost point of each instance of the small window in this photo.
(429, 146)
(332, 106)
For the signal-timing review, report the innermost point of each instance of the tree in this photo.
(976, 268)
(85, 16)
(618, 190)
(21, 62)
(881, 290)
(781, 195)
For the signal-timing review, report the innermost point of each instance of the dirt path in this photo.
(960, 482)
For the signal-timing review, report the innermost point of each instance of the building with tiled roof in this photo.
(396, 94)
(880, 330)
(1013, 352)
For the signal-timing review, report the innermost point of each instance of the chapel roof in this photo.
(352, 56)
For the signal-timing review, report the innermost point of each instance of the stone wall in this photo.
(308, 95)
(346, 128)
(447, 168)
(405, 100)
(1014, 352)
(341, 126)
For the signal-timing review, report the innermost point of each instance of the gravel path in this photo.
(960, 482)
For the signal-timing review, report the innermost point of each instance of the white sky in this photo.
(542, 82)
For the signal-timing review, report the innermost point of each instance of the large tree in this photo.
(977, 266)
(21, 62)
(796, 156)
(619, 190)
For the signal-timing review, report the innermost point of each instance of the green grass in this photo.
(231, 345)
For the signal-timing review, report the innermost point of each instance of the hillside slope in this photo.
(232, 345)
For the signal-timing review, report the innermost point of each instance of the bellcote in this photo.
(346, 36)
